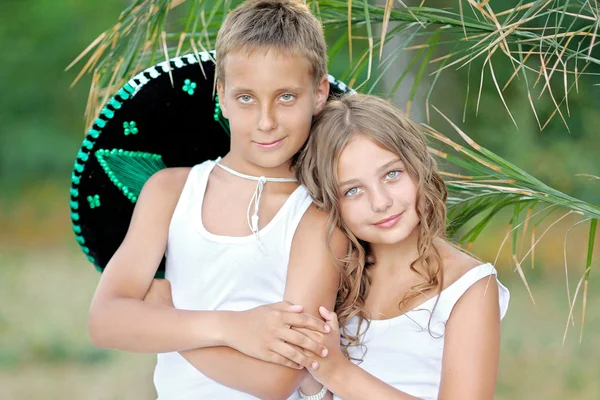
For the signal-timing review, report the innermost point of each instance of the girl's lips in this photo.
(388, 222)
(270, 145)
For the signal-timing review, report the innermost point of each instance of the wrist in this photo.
(310, 386)
(215, 327)
(338, 376)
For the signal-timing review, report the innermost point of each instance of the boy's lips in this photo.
(270, 145)
(388, 222)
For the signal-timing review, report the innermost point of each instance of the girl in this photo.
(419, 318)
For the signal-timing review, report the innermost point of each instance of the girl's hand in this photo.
(160, 293)
(323, 368)
(265, 333)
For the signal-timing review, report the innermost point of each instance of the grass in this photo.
(45, 352)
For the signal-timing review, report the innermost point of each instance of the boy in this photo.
(226, 339)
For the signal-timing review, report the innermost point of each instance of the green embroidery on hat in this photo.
(129, 170)
(107, 113)
(115, 103)
(83, 156)
(130, 128)
(94, 201)
(189, 86)
(123, 94)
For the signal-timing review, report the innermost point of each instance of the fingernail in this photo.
(314, 365)
(327, 328)
(324, 352)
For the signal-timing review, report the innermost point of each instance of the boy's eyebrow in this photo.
(349, 182)
(238, 89)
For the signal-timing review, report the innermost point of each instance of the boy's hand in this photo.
(323, 368)
(160, 293)
(265, 333)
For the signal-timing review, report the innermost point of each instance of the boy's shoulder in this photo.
(313, 227)
(168, 179)
(166, 185)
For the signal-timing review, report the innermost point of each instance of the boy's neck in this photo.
(248, 168)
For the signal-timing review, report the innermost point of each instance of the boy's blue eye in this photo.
(351, 192)
(287, 97)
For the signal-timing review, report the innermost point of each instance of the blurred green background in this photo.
(46, 283)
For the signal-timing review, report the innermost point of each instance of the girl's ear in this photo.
(322, 93)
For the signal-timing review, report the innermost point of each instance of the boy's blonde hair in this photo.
(386, 126)
(287, 26)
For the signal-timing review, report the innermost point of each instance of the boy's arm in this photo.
(119, 318)
(312, 281)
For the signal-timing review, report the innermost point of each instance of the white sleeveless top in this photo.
(403, 352)
(213, 272)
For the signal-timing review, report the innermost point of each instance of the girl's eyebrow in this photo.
(389, 164)
(383, 167)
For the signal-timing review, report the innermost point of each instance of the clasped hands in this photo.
(279, 333)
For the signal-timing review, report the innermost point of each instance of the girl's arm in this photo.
(119, 318)
(470, 360)
(310, 386)
(472, 344)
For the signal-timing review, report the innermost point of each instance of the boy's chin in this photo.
(273, 159)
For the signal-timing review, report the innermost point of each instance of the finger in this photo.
(287, 306)
(309, 354)
(330, 317)
(302, 341)
(314, 335)
(291, 354)
(306, 321)
(276, 358)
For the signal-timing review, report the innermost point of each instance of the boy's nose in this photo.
(267, 121)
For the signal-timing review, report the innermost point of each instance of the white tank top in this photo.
(213, 272)
(403, 352)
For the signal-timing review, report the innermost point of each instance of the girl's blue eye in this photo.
(245, 98)
(392, 174)
(351, 192)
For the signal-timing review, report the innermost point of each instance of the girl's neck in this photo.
(245, 167)
(396, 258)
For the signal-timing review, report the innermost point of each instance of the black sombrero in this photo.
(150, 124)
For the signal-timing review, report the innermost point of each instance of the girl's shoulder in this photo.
(455, 262)
(467, 279)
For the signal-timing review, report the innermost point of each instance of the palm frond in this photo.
(490, 184)
(561, 52)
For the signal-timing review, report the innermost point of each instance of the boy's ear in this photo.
(221, 92)
(322, 92)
